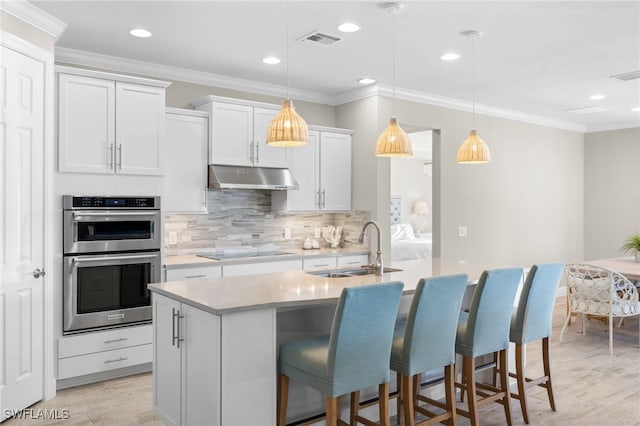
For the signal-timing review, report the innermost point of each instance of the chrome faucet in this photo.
(378, 265)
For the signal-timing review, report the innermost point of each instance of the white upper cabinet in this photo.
(187, 141)
(322, 170)
(238, 131)
(109, 123)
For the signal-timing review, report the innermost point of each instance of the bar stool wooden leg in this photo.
(354, 403)
(504, 384)
(408, 403)
(332, 411)
(450, 392)
(399, 409)
(283, 395)
(520, 377)
(468, 364)
(383, 402)
(547, 371)
(416, 388)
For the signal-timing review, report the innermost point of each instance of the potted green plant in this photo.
(632, 245)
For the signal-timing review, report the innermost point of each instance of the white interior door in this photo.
(21, 230)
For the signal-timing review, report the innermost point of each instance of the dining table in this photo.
(626, 266)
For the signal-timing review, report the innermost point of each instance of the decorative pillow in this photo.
(402, 231)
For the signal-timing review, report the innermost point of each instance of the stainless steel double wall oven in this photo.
(111, 252)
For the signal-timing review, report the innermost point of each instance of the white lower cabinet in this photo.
(213, 369)
(96, 352)
(186, 367)
(319, 263)
(239, 269)
(193, 273)
(353, 260)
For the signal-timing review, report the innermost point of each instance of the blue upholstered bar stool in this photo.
(531, 322)
(354, 356)
(485, 330)
(426, 341)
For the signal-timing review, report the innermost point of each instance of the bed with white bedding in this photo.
(405, 245)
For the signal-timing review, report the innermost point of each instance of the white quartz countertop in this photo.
(192, 259)
(297, 288)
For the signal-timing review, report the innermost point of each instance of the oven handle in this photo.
(76, 260)
(112, 213)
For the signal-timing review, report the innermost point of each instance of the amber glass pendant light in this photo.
(473, 150)
(288, 128)
(393, 142)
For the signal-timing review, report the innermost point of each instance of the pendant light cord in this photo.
(473, 101)
(287, 49)
(393, 64)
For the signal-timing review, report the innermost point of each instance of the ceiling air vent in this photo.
(587, 110)
(633, 75)
(320, 39)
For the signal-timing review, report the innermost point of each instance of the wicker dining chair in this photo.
(600, 292)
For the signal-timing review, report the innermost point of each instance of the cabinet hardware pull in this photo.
(324, 198)
(122, 358)
(323, 264)
(110, 154)
(204, 201)
(257, 152)
(251, 152)
(121, 339)
(173, 326)
(120, 156)
(318, 194)
(178, 338)
(196, 276)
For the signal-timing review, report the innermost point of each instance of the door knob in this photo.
(38, 273)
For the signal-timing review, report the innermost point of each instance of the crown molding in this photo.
(83, 58)
(614, 126)
(442, 101)
(89, 59)
(34, 16)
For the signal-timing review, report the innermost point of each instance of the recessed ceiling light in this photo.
(636, 109)
(596, 97)
(140, 32)
(450, 56)
(348, 27)
(271, 60)
(366, 80)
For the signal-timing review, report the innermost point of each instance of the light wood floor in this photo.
(591, 387)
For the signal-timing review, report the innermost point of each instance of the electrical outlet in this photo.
(287, 233)
(316, 233)
(462, 231)
(173, 238)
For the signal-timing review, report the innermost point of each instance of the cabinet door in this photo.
(353, 260)
(265, 155)
(139, 129)
(201, 367)
(166, 361)
(193, 273)
(261, 268)
(335, 171)
(319, 263)
(304, 166)
(86, 124)
(186, 166)
(231, 134)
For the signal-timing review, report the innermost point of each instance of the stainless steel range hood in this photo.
(238, 177)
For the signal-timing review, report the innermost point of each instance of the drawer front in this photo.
(193, 273)
(104, 361)
(318, 263)
(354, 260)
(99, 341)
(261, 268)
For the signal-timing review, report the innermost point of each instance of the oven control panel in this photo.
(84, 202)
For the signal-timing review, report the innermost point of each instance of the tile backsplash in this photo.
(244, 218)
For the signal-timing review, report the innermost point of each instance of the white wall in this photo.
(524, 207)
(612, 191)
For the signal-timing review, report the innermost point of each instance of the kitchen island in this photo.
(216, 340)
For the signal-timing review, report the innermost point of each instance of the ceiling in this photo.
(534, 60)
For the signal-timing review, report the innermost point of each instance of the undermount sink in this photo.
(346, 273)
